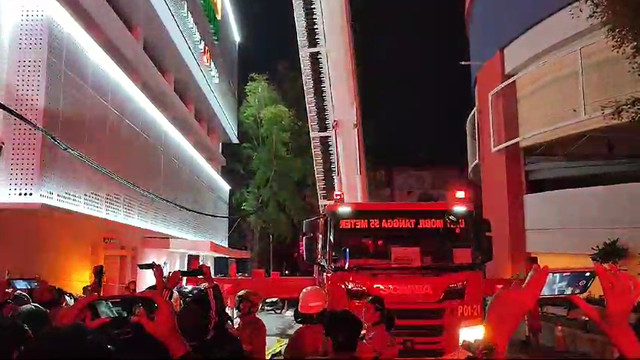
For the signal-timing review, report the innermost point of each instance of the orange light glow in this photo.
(206, 56)
(217, 7)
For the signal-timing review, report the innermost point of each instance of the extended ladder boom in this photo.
(330, 86)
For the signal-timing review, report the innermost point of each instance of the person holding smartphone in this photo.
(533, 319)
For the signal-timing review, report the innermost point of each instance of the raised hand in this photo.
(174, 280)
(5, 291)
(206, 274)
(164, 326)
(158, 273)
(79, 312)
(509, 306)
(621, 291)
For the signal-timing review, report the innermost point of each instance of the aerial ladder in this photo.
(325, 45)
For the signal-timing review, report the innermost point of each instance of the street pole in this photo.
(271, 254)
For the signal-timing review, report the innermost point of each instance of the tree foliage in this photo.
(610, 252)
(620, 20)
(268, 165)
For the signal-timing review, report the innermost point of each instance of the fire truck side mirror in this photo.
(310, 244)
(486, 241)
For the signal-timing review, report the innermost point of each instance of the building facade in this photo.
(559, 174)
(131, 101)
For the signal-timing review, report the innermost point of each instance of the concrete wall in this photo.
(562, 226)
(62, 247)
(574, 220)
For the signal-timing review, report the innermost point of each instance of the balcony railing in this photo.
(564, 94)
(472, 140)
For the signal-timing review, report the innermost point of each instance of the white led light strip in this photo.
(97, 54)
(232, 19)
(121, 219)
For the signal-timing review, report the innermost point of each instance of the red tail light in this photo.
(338, 196)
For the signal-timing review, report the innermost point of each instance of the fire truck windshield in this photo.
(400, 238)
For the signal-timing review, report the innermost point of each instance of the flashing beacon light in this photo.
(338, 196)
(460, 194)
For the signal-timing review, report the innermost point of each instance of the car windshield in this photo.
(411, 239)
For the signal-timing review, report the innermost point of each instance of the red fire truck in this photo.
(425, 259)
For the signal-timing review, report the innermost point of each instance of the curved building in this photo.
(559, 174)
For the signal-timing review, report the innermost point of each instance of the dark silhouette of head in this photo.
(72, 342)
(34, 316)
(344, 329)
(13, 336)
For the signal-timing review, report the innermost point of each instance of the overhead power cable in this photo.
(82, 157)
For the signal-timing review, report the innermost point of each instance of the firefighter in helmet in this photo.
(378, 343)
(309, 340)
(251, 330)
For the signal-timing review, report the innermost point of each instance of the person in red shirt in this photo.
(378, 343)
(251, 330)
(309, 340)
(533, 320)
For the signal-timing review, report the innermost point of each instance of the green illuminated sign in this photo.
(213, 12)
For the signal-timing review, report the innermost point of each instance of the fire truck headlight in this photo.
(471, 334)
(459, 209)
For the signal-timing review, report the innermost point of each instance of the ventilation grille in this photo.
(317, 89)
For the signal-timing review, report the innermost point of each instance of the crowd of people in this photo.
(193, 322)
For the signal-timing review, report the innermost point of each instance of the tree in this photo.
(620, 20)
(266, 167)
(610, 252)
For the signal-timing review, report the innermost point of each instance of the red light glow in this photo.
(461, 194)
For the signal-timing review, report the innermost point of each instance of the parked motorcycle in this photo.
(275, 305)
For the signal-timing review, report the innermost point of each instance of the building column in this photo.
(502, 172)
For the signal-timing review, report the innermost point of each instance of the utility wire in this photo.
(64, 147)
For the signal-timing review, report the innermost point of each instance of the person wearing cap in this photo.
(309, 340)
(378, 343)
(251, 330)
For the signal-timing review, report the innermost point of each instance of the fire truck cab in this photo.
(426, 260)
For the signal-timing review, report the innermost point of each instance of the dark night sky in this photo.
(415, 96)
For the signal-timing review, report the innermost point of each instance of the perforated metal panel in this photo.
(25, 65)
(59, 86)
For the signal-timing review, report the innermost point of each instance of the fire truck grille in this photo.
(419, 332)
(418, 314)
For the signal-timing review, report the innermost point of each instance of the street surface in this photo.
(278, 326)
(282, 326)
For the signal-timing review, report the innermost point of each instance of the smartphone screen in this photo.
(568, 283)
(24, 284)
(105, 309)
